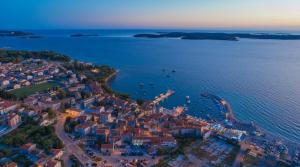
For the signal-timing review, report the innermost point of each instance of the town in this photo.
(57, 112)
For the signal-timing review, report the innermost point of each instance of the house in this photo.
(187, 131)
(13, 120)
(102, 134)
(7, 106)
(168, 141)
(163, 141)
(17, 86)
(82, 130)
(31, 100)
(5, 83)
(74, 113)
(57, 154)
(29, 147)
(87, 102)
(11, 164)
(52, 163)
(54, 105)
(105, 117)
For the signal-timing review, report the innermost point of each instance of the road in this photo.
(241, 154)
(70, 146)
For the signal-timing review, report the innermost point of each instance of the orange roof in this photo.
(27, 146)
(11, 164)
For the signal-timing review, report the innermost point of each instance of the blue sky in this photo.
(265, 14)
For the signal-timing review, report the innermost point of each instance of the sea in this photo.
(259, 78)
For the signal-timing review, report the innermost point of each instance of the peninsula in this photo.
(57, 111)
(218, 36)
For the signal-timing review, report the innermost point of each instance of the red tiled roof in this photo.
(106, 146)
(6, 104)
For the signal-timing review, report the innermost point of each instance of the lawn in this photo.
(29, 90)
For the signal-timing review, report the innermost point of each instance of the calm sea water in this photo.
(260, 78)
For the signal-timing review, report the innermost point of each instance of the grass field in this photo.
(29, 90)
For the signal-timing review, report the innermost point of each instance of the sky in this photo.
(118, 14)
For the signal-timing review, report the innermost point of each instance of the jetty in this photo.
(163, 97)
(222, 104)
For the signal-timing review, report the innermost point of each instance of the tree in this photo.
(140, 102)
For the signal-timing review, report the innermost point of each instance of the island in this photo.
(8, 33)
(218, 36)
(84, 35)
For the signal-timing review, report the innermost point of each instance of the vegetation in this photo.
(140, 102)
(29, 90)
(6, 95)
(70, 125)
(51, 113)
(109, 90)
(30, 131)
(219, 36)
(17, 56)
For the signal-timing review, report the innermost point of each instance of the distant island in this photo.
(8, 33)
(84, 35)
(218, 36)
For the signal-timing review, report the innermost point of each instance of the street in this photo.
(70, 146)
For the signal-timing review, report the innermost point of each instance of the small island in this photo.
(218, 36)
(84, 35)
(7, 33)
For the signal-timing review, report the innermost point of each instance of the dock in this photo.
(223, 105)
(163, 97)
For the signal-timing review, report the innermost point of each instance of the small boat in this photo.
(188, 101)
(173, 71)
(187, 97)
(141, 84)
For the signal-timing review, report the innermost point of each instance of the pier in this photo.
(223, 105)
(163, 97)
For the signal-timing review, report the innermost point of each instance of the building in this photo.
(52, 163)
(57, 154)
(54, 105)
(13, 120)
(7, 106)
(82, 130)
(106, 117)
(74, 113)
(11, 164)
(107, 148)
(29, 147)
